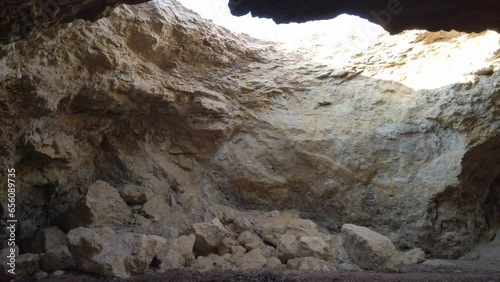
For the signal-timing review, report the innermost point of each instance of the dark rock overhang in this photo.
(394, 15)
(21, 18)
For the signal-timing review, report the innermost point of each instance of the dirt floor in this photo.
(407, 273)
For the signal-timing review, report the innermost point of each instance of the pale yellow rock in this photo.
(413, 256)
(313, 247)
(368, 249)
(274, 263)
(250, 241)
(287, 247)
(302, 227)
(178, 252)
(208, 236)
(134, 194)
(253, 260)
(310, 263)
(156, 208)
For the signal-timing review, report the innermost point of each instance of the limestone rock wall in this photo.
(156, 97)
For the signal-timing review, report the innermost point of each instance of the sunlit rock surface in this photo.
(402, 137)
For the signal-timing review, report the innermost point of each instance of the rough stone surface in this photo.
(368, 249)
(178, 253)
(287, 247)
(208, 236)
(250, 241)
(401, 135)
(253, 260)
(313, 247)
(57, 259)
(27, 264)
(102, 206)
(413, 256)
(156, 208)
(48, 238)
(310, 263)
(133, 194)
(103, 251)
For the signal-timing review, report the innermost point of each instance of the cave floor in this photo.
(488, 271)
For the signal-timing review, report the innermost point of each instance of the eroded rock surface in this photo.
(152, 96)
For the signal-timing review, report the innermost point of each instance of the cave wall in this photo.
(153, 95)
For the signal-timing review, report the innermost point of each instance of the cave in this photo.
(250, 140)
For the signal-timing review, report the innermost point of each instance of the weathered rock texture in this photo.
(156, 97)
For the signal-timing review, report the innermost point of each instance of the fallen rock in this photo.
(242, 224)
(253, 260)
(225, 246)
(302, 227)
(57, 259)
(178, 253)
(101, 206)
(48, 238)
(156, 208)
(133, 194)
(271, 228)
(208, 236)
(313, 247)
(369, 249)
(250, 241)
(103, 251)
(287, 247)
(274, 263)
(310, 263)
(27, 264)
(238, 251)
(212, 262)
(413, 256)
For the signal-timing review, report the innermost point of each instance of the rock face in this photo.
(368, 249)
(153, 96)
(105, 252)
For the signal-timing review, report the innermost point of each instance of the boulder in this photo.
(313, 247)
(287, 247)
(208, 236)
(105, 252)
(250, 241)
(271, 228)
(242, 224)
(369, 249)
(212, 261)
(48, 238)
(310, 263)
(133, 194)
(253, 260)
(302, 227)
(177, 253)
(274, 263)
(57, 259)
(101, 206)
(413, 256)
(27, 265)
(238, 251)
(156, 208)
(225, 246)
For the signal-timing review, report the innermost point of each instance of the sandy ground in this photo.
(466, 272)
